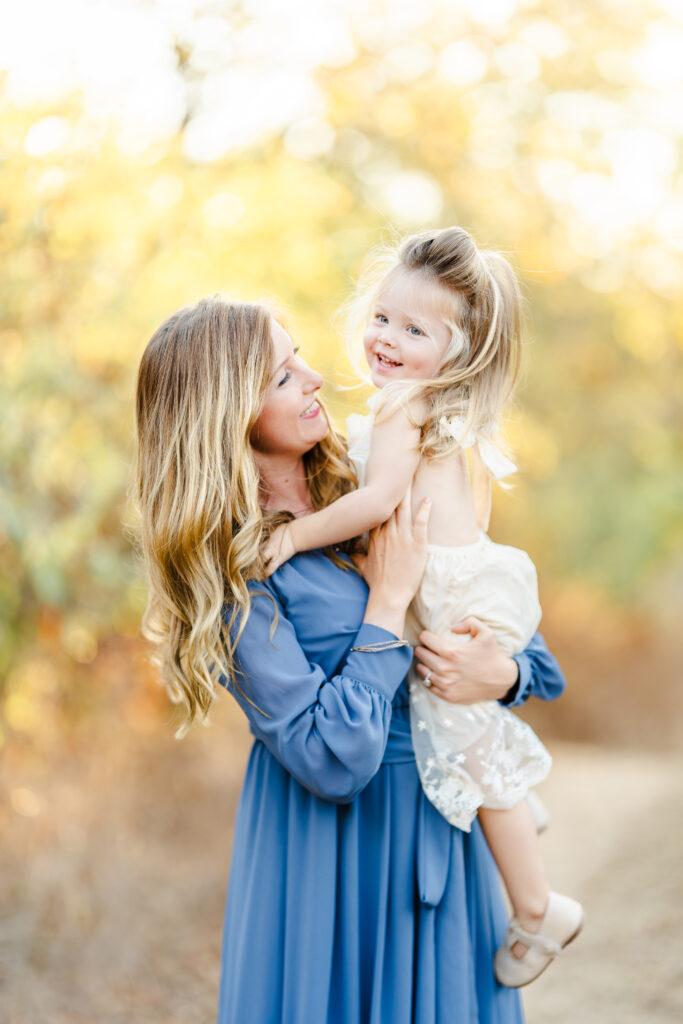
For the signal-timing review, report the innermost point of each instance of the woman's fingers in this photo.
(436, 683)
(436, 644)
(402, 516)
(422, 519)
(405, 501)
(428, 658)
(422, 671)
(469, 625)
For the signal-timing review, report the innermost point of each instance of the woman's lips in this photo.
(311, 412)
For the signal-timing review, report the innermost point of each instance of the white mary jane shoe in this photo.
(562, 922)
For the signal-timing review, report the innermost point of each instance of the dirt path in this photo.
(616, 842)
(114, 870)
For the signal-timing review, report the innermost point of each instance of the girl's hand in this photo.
(469, 672)
(395, 563)
(279, 548)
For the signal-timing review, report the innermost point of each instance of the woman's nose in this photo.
(314, 381)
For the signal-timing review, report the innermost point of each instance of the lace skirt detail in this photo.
(472, 755)
(475, 755)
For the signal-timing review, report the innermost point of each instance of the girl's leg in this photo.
(513, 841)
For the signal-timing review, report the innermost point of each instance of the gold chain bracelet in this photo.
(381, 645)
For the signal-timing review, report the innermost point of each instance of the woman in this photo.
(351, 899)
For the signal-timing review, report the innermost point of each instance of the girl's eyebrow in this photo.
(416, 321)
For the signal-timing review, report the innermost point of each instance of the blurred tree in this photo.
(538, 132)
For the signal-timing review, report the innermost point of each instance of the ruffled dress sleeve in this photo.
(329, 732)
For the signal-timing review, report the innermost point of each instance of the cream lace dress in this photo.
(470, 755)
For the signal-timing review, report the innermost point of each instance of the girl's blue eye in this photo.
(417, 331)
(381, 318)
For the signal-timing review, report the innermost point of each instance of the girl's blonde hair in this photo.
(202, 384)
(482, 308)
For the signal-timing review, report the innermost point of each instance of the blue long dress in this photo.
(351, 900)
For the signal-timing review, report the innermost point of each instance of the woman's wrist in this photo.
(512, 685)
(509, 672)
(386, 611)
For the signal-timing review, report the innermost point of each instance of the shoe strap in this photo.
(533, 940)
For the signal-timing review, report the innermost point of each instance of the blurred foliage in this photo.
(98, 245)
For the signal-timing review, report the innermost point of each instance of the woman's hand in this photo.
(466, 672)
(394, 565)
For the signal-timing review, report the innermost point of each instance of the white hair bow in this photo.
(498, 465)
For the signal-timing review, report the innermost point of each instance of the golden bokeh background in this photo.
(152, 152)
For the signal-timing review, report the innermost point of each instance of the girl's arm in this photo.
(391, 466)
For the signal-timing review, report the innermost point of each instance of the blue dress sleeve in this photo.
(329, 733)
(539, 674)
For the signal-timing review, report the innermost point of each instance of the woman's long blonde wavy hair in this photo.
(202, 384)
(481, 304)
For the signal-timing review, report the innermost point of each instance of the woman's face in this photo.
(291, 421)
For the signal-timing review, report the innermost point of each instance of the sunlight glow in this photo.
(463, 63)
(46, 136)
(608, 163)
(659, 63)
(166, 190)
(413, 198)
(309, 138)
(223, 210)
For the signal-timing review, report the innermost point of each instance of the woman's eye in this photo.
(285, 378)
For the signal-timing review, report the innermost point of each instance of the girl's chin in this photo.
(380, 378)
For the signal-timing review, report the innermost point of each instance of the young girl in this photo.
(442, 345)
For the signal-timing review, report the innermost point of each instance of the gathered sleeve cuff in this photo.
(328, 732)
(383, 668)
(539, 674)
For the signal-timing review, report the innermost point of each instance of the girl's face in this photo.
(291, 421)
(407, 337)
